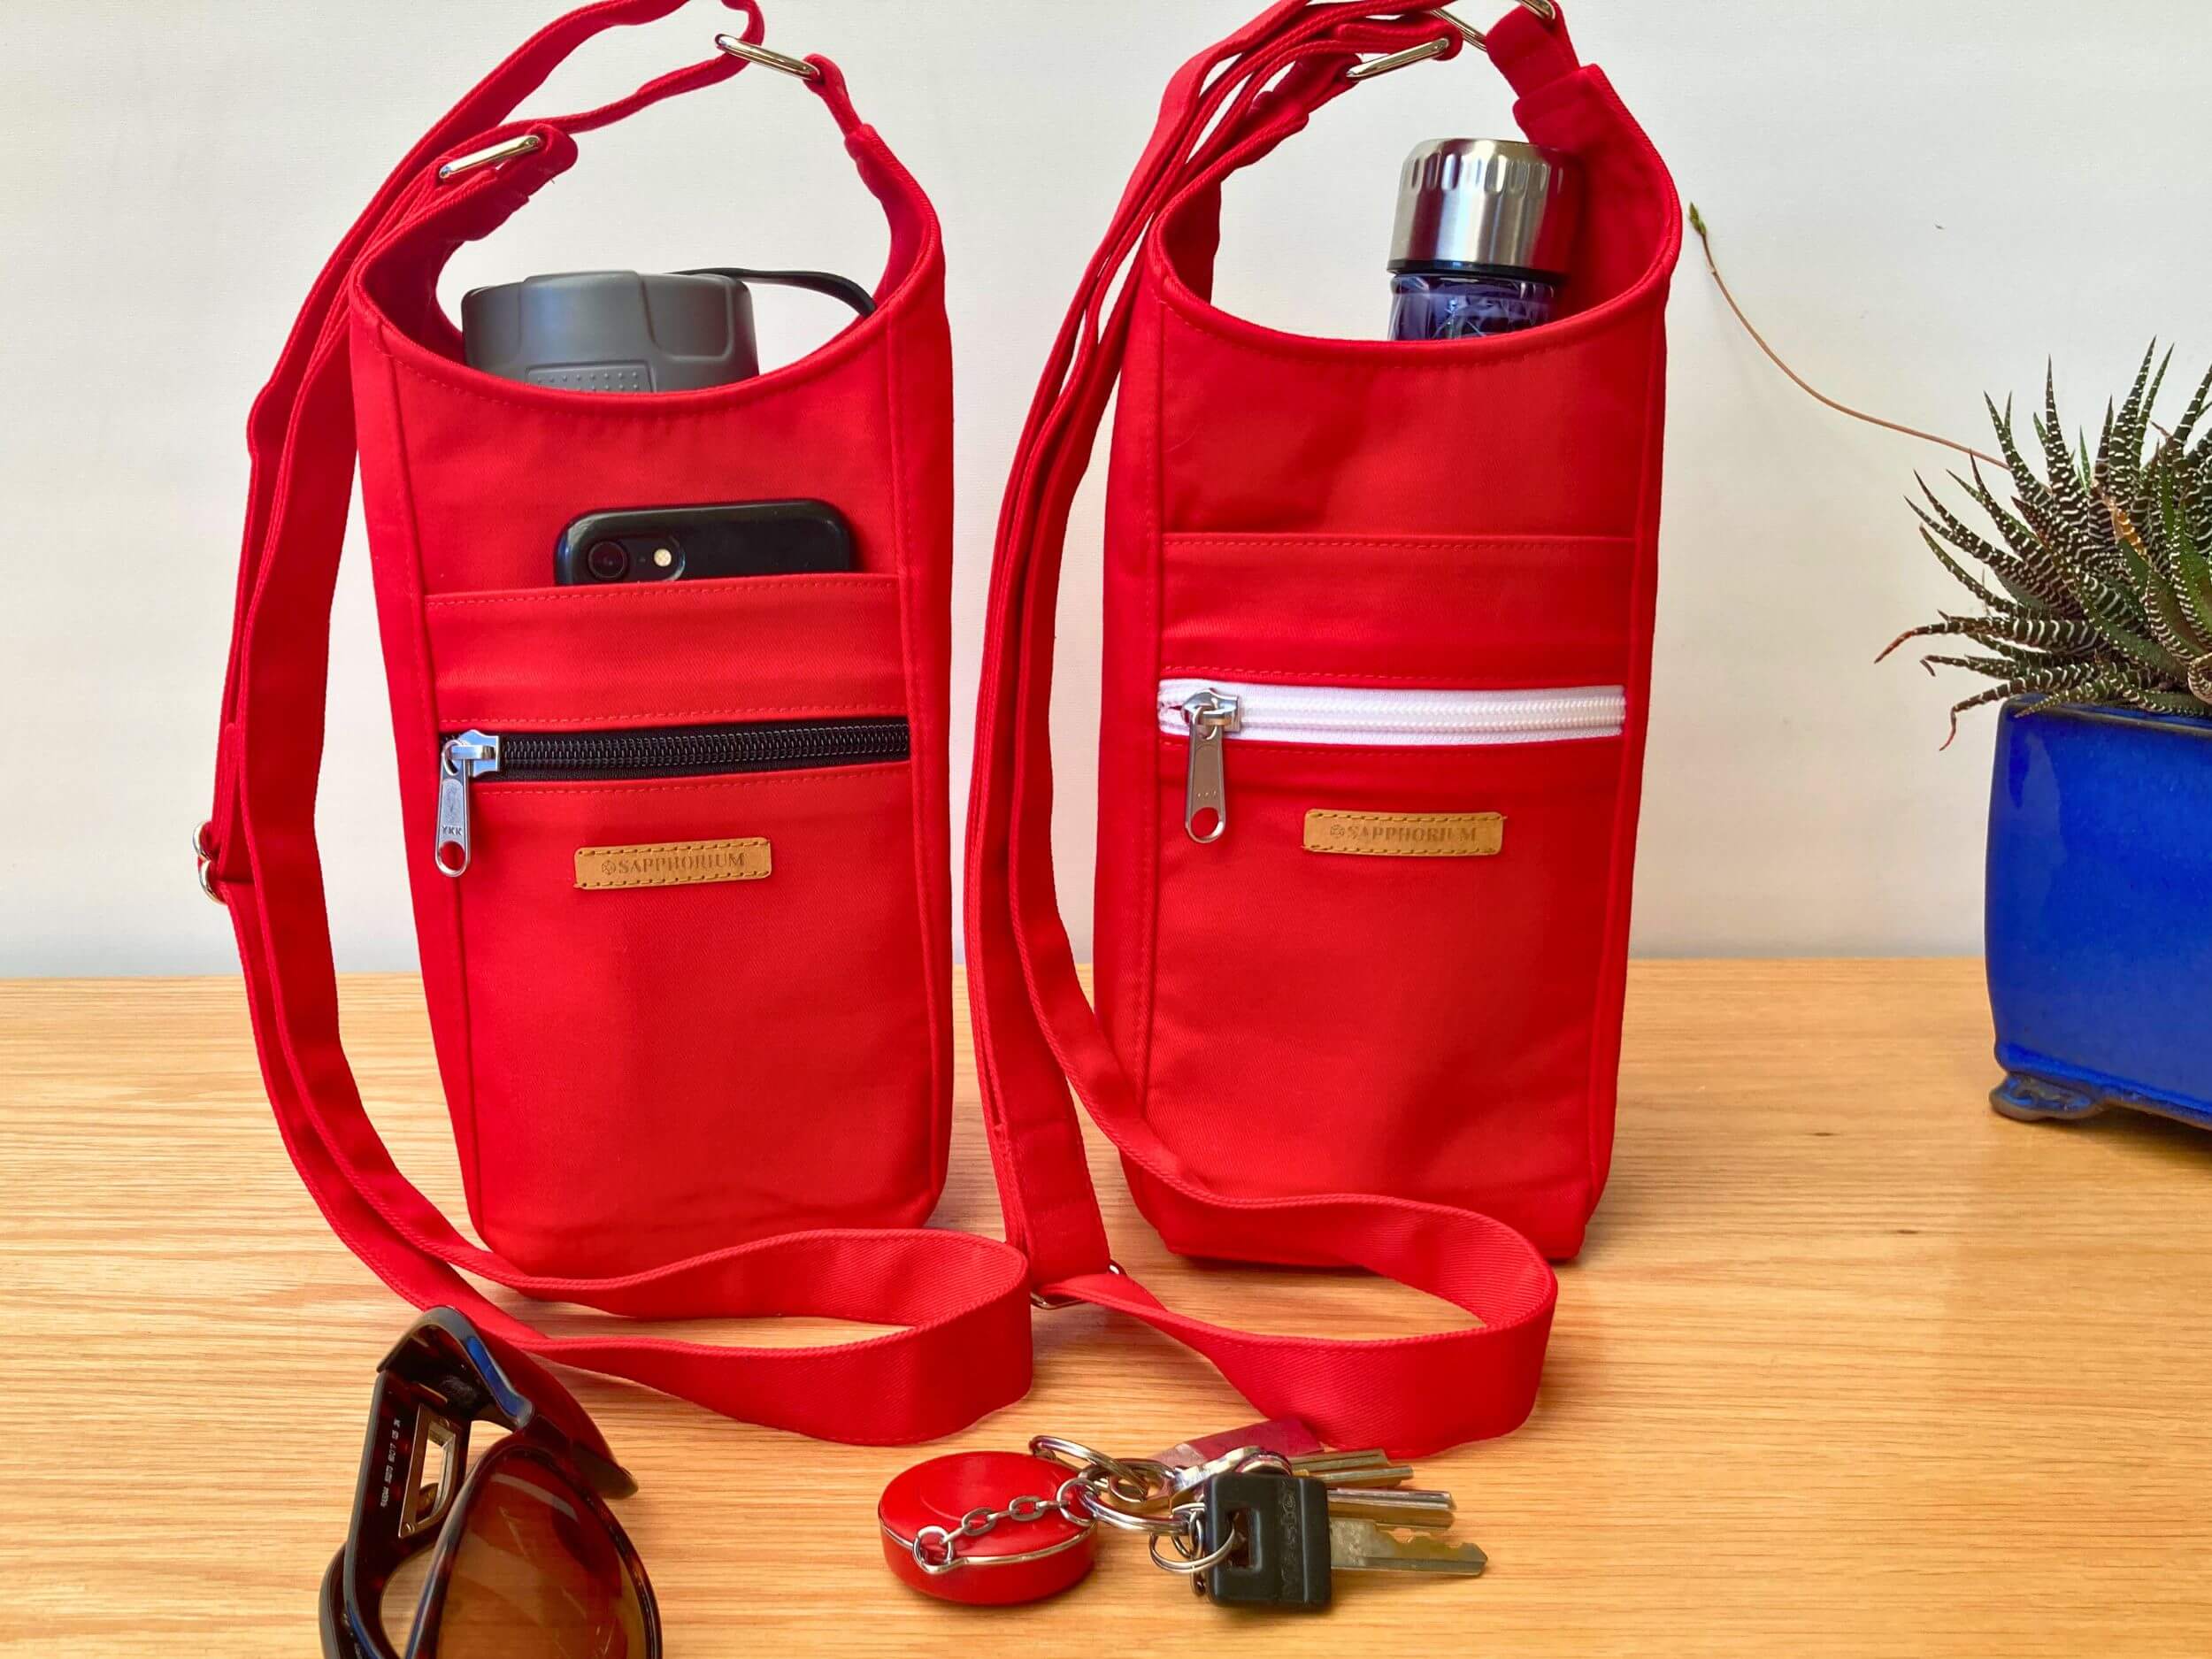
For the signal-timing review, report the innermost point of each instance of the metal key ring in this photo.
(1120, 1519)
(1190, 1564)
(1131, 1500)
(1190, 1477)
(1069, 1454)
(1127, 1483)
(1158, 1479)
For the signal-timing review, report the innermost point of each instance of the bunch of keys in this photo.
(1259, 1517)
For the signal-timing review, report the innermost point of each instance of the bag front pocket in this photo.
(667, 847)
(1381, 921)
(696, 984)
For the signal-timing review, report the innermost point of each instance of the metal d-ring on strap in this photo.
(497, 153)
(1437, 48)
(204, 850)
(730, 43)
(768, 57)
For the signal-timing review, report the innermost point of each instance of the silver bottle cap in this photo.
(1491, 203)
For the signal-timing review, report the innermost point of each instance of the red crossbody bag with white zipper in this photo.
(1328, 645)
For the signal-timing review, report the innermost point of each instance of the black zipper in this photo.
(676, 751)
(700, 751)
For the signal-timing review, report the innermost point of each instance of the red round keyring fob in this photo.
(1027, 1555)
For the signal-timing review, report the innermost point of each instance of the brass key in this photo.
(1353, 1469)
(1356, 1545)
(1355, 1481)
(1268, 1540)
(1368, 1485)
(1391, 1506)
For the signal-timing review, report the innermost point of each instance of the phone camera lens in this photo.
(607, 561)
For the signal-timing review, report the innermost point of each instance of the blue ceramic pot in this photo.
(2099, 926)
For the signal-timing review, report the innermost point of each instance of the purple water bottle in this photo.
(1485, 229)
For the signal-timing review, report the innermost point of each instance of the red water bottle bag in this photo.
(1378, 641)
(687, 949)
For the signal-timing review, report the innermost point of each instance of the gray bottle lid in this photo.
(1492, 204)
(614, 330)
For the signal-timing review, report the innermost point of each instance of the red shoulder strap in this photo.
(961, 1302)
(1034, 1027)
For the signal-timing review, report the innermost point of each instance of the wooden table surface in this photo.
(1850, 1366)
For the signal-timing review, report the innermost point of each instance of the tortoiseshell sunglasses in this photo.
(524, 1556)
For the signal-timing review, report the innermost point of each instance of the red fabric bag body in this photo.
(726, 1097)
(1399, 519)
(1424, 573)
(638, 1074)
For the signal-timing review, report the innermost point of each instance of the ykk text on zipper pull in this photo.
(468, 756)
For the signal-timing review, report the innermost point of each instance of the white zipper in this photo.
(1212, 712)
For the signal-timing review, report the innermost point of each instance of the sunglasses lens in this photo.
(537, 1576)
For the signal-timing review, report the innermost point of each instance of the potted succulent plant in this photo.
(2093, 589)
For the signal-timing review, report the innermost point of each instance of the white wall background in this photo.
(1920, 200)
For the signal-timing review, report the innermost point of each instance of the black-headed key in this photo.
(1291, 1549)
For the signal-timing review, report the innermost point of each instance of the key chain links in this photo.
(1099, 1487)
(1128, 1494)
(937, 1548)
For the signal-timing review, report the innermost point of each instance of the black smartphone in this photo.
(674, 544)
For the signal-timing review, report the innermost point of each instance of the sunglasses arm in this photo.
(514, 1390)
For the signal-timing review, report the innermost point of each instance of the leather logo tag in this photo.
(1407, 834)
(673, 864)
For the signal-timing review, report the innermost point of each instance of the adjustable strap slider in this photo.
(1045, 1304)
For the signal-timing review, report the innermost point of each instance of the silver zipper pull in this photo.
(1210, 717)
(468, 756)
